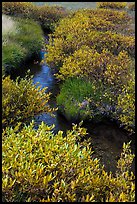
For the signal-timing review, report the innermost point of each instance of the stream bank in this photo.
(106, 137)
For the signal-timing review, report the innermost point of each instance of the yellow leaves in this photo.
(73, 185)
(24, 100)
(65, 176)
(83, 28)
(82, 173)
(89, 199)
(112, 5)
(123, 197)
(47, 179)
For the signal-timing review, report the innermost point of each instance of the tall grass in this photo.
(22, 39)
(8, 25)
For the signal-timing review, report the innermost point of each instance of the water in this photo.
(106, 138)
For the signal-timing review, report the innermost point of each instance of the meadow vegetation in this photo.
(46, 16)
(89, 43)
(20, 43)
(92, 53)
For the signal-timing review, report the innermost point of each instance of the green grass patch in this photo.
(75, 92)
(23, 44)
(81, 99)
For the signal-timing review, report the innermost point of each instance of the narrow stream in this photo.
(107, 138)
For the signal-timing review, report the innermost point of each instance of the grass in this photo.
(81, 99)
(8, 25)
(74, 92)
(22, 41)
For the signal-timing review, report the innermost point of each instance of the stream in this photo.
(106, 138)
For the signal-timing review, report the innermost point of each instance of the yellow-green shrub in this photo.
(40, 166)
(126, 102)
(114, 16)
(78, 30)
(112, 5)
(131, 6)
(23, 9)
(103, 66)
(22, 100)
(47, 16)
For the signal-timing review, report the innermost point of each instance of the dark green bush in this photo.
(22, 100)
(12, 55)
(40, 166)
(21, 9)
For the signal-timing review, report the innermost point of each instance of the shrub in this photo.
(102, 66)
(30, 36)
(112, 5)
(47, 16)
(21, 9)
(113, 16)
(38, 166)
(126, 103)
(22, 100)
(73, 32)
(131, 6)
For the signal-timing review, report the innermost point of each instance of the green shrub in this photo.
(38, 166)
(30, 36)
(112, 5)
(22, 100)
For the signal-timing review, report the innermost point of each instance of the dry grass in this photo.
(8, 25)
